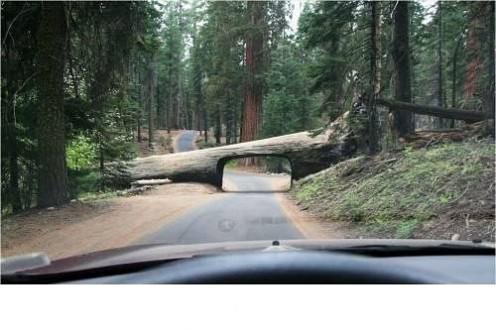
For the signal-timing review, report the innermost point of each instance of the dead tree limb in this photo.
(450, 113)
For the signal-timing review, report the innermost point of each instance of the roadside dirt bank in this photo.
(312, 226)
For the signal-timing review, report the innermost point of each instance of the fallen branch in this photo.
(450, 113)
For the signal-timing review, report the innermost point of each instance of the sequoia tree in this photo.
(254, 65)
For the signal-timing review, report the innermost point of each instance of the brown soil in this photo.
(312, 225)
(472, 217)
(79, 227)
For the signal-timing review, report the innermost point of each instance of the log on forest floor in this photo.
(449, 113)
(151, 182)
(308, 153)
(426, 138)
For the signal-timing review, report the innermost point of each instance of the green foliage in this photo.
(288, 107)
(84, 181)
(333, 34)
(80, 153)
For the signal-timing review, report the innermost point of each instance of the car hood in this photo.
(39, 264)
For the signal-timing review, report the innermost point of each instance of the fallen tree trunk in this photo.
(450, 113)
(308, 152)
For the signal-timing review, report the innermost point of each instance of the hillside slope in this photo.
(444, 191)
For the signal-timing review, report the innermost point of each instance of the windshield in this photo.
(184, 122)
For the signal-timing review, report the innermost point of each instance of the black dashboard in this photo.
(312, 267)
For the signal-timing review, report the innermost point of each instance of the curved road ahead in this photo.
(186, 141)
(234, 217)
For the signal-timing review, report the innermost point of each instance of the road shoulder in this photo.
(78, 227)
(310, 225)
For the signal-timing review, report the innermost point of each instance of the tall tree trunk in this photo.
(204, 113)
(169, 108)
(138, 123)
(403, 120)
(440, 79)
(490, 67)
(454, 78)
(160, 113)
(181, 120)
(148, 104)
(474, 58)
(199, 119)
(52, 180)
(173, 114)
(228, 129)
(228, 118)
(140, 102)
(205, 123)
(235, 124)
(375, 74)
(254, 68)
(218, 127)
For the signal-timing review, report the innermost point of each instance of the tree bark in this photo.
(473, 54)
(159, 110)
(254, 65)
(138, 122)
(375, 74)
(148, 104)
(403, 120)
(440, 78)
(52, 180)
(307, 152)
(169, 108)
(454, 78)
(218, 126)
(205, 119)
(450, 113)
(454, 73)
(490, 67)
